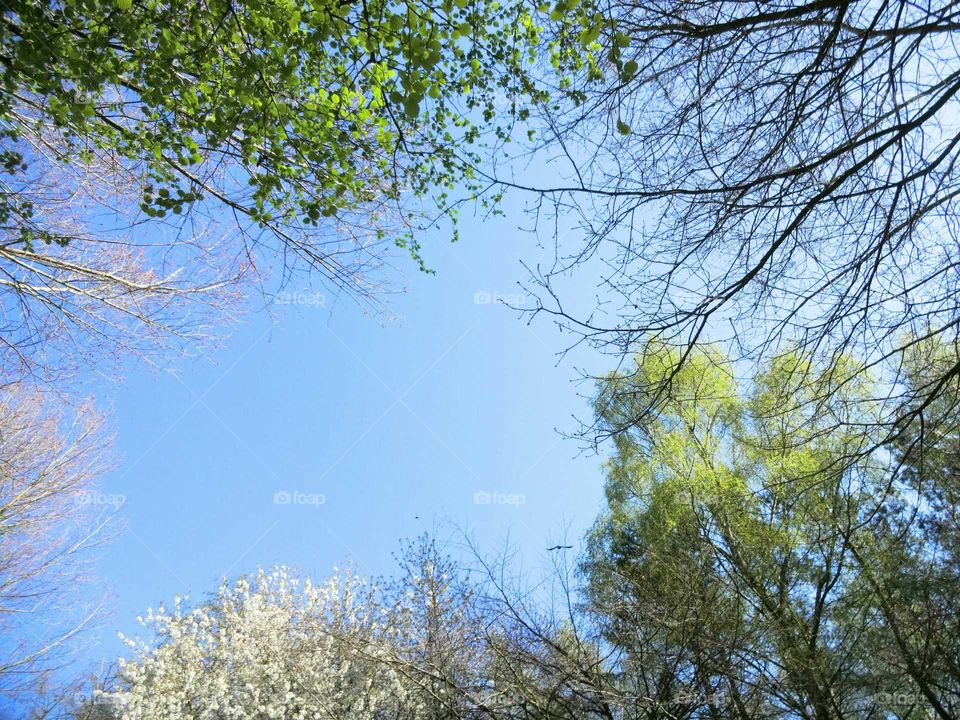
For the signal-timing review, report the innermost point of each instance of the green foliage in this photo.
(760, 544)
(291, 113)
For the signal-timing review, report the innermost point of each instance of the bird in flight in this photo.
(559, 547)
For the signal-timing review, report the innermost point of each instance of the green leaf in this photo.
(411, 106)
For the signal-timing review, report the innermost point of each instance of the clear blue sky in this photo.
(398, 425)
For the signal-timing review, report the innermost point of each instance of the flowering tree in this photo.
(280, 646)
(271, 647)
(437, 642)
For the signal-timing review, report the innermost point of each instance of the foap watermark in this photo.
(114, 500)
(97, 698)
(303, 299)
(495, 497)
(897, 698)
(295, 497)
(715, 699)
(493, 297)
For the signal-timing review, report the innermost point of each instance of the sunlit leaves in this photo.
(733, 514)
(286, 112)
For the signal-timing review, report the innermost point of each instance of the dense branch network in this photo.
(772, 175)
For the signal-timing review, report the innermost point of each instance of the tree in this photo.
(913, 559)
(435, 641)
(307, 132)
(49, 461)
(746, 567)
(761, 174)
(267, 647)
(114, 287)
(278, 645)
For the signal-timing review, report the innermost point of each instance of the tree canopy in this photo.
(780, 546)
(156, 154)
(288, 113)
(746, 566)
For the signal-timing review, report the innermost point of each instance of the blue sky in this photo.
(442, 416)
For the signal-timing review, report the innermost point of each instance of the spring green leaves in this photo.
(288, 113)
(767, 535)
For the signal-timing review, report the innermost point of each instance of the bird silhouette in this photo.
(559, 547)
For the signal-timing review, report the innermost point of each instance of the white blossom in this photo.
(274, 646)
